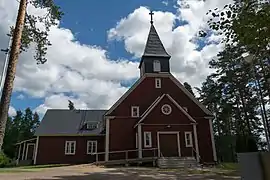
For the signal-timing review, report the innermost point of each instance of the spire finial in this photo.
(151, 14)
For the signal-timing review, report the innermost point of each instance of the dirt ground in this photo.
(87, 172)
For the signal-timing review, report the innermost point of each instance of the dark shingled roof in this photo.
(69, 122)
(154, 46)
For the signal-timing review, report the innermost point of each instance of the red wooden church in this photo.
(157, 117)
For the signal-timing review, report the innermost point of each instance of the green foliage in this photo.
(20, 127)
(37, 36)
(4, 160)
(71, 105)
(189, 88)
(245, 22)
(233, 96)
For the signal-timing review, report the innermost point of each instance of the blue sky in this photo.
(93, 71)
(90, 21)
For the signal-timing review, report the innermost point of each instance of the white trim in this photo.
(27, 147)
(150, 108)
(158, 83)
(156, 103)
(66, 146)
(116, 104)
(212, 140)
(19, 155)
(169, 132)
(158, 75)
(205, 110)
(107, 139)
(196, 142)
(191, 139)
(150, 139)
(23, 155)
(156, 66)
(91, 142)
(180, 107)
(25, 141)
(169, 108)
(136, 140)
(137, 108)
(140, 140)
(36, 151)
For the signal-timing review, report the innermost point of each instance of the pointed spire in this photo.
(154, 46)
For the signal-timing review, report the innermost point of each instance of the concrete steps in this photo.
(177, 162)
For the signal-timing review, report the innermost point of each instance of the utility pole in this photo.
(3, 76)
(11, 70)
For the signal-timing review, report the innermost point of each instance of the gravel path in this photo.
(86, 172)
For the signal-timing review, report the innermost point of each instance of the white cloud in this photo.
(187, 62)
(84, 71)
(87, 76)
(12, 111)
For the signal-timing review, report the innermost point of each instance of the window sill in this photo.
(69, 153)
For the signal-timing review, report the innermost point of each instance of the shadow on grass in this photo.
(143, 174)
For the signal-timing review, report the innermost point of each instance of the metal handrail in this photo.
(126, 152)
(197, 153)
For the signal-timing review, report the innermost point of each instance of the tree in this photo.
(189, 88)
(19, 128)
(231, 94)
(245, 22)
(24, 34)
(71, 105)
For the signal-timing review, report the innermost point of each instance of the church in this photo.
(156, 118)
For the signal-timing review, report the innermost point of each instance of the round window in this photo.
(166, 109)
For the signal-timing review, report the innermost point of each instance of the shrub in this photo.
(4, 160)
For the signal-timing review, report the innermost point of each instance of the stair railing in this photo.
(197, 153)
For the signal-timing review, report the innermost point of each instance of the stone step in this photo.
(176, 162)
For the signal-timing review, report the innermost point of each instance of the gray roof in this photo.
(69, 122)
(154, 46)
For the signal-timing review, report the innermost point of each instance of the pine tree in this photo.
(26, 32)
(189, 88)
(71, 105)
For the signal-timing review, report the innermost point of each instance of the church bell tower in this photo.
(155, 59)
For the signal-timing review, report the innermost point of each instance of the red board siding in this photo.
(146, 93)
(122, 137)
(205, 142)
(157, 117)
(185, 151)
(122, 133)
(51, 150)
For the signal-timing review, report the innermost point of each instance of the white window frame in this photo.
(138, 111)
(156, 66)
(91, 150)
(68, 148)
(92, 124)
(186, 139)
(157, 82)
(150, 139)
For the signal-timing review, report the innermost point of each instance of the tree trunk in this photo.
(11, 71)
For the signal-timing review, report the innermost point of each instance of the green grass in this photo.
(29, 168)
(228, 166)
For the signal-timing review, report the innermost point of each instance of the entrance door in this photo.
(168, 144)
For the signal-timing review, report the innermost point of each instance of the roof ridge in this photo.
(154, 46)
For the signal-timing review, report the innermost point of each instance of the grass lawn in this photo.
(29, 168)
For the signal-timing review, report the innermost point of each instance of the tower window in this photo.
(158, 82)
(156, 66)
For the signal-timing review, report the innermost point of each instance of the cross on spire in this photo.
(151, 14)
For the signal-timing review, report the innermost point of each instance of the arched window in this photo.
(156, 65)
